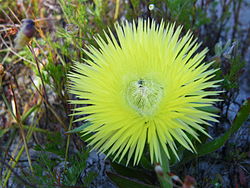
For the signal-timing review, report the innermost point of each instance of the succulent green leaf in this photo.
(140, 174)
(3, 131)
(124, 182)
(212, 146)
(79, 129)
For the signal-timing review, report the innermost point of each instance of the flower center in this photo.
(144, 96)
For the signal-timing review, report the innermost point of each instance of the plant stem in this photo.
(165, 179)
(117, 5)
(68, 138)
(18, 120)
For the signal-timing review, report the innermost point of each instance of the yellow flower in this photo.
(143, 86)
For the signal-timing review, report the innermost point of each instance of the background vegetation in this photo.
(40, 145)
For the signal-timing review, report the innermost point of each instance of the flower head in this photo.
(25, 34)
(143, 86)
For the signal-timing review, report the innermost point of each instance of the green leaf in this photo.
(30, 111)
(140, 174)
(145, 163)
(54, 145)
(124, 182)
(89, 178)
(212, 146)
(135, 3)
(73, 170)
(79, 129)
(210, 109)
(3, 131)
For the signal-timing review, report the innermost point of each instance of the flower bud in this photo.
(25, 34)
(159, 170)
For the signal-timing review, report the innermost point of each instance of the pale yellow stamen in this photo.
(144, 96)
